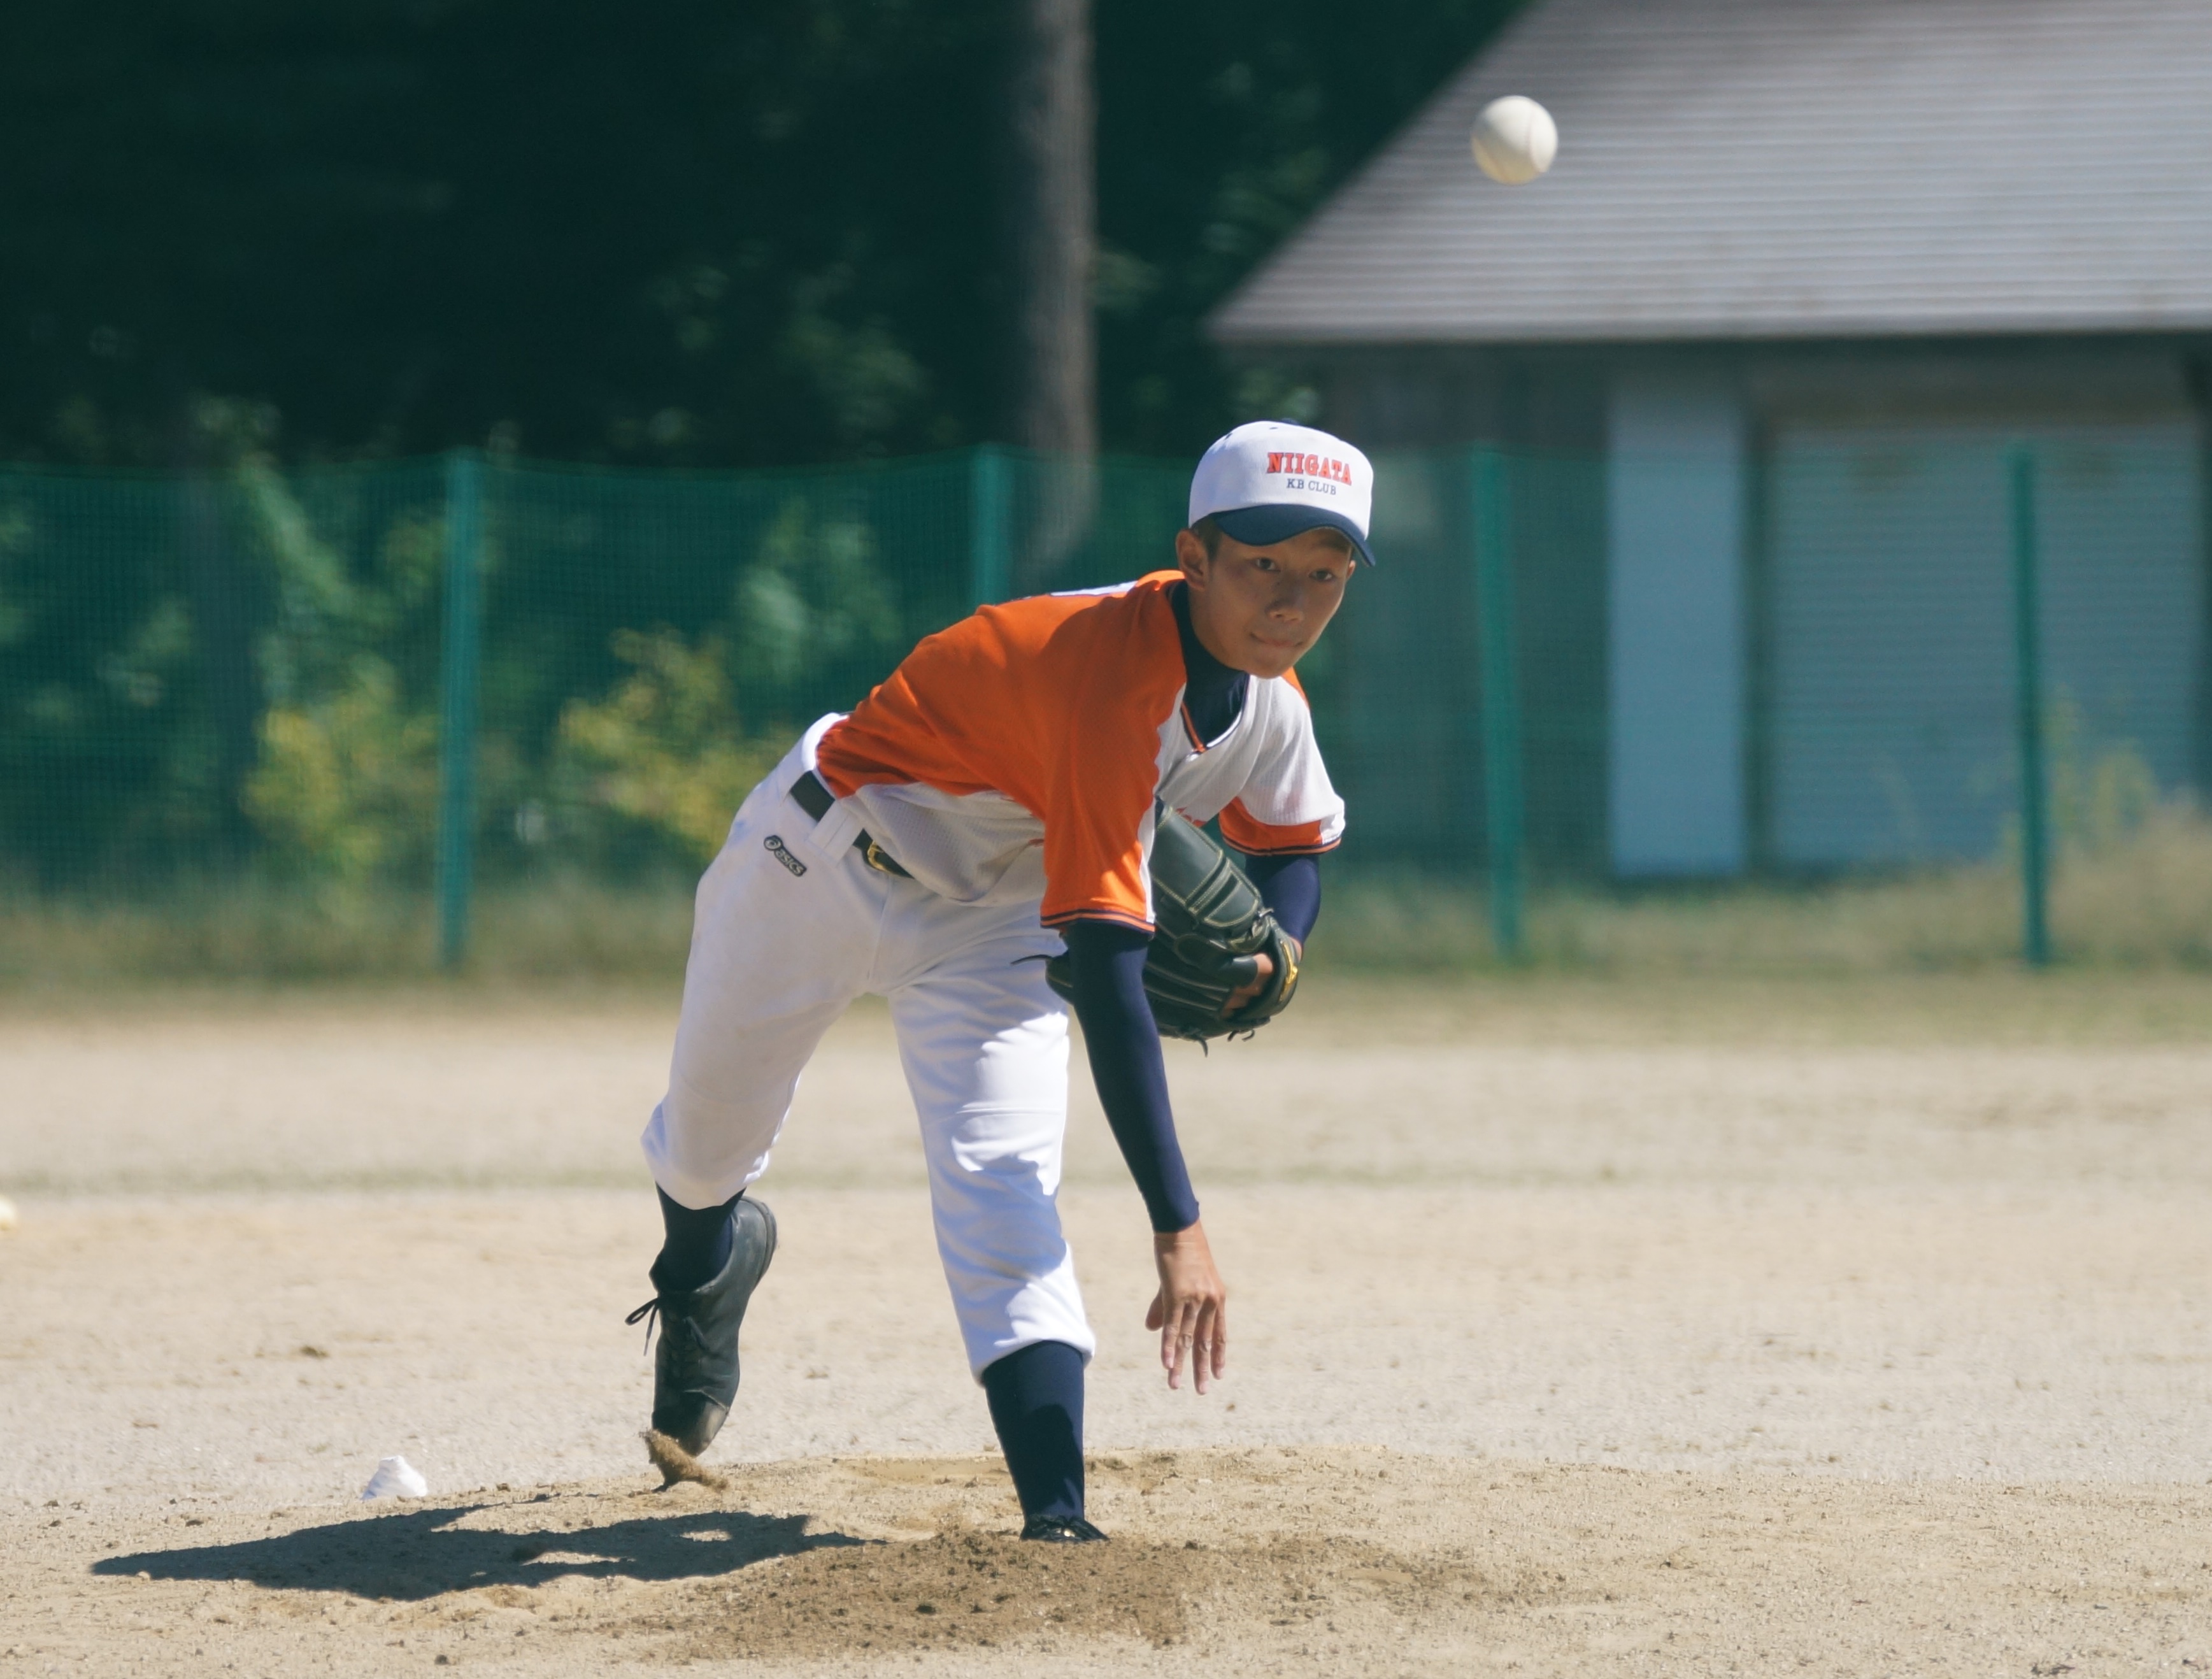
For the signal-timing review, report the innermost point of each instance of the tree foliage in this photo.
(666, 232)
(660, 751)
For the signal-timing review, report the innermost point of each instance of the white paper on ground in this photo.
(396, 1478)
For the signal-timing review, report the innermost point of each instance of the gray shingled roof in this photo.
(1782, 169)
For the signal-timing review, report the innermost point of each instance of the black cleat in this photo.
(1062, 1531)
(695, 1375)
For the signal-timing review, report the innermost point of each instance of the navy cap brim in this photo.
(1278, 521)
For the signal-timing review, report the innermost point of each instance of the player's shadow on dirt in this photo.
(420, 1554)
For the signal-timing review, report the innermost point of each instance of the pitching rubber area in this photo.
(1576, 1328)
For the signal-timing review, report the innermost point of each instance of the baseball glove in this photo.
(1211, 924)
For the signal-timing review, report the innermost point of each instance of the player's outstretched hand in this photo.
(1191, 1310)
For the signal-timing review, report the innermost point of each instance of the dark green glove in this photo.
(1212, 926)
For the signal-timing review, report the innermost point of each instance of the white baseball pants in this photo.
(792, 924)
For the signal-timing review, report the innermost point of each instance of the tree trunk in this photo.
(1051, 216)
(1051, 220)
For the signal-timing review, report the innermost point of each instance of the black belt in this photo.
(815, 799)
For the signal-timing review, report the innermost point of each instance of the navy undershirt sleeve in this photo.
(1118, 1028)
(1291, 886)
(1124, 1041)
(1126, 1064)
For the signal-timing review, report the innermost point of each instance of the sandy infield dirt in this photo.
(1576, 1328)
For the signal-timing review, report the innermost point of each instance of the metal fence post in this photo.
(990, 558)
(460, 656)
(2027, 663)
(1501, 699)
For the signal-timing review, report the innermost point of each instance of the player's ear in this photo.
(1191, 556)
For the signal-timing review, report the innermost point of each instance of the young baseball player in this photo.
(994, 798)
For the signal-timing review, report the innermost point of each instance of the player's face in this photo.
(1259, 609)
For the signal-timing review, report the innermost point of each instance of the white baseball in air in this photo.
(1515, 140)
(7, 1213)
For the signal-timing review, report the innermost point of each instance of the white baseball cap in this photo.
(1268, 480)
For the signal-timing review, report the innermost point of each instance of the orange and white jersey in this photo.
(1019, 753)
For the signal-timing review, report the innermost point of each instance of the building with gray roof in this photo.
(1804, 275)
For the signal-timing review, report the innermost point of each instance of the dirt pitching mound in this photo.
(1263, 1562)
(966, 1588)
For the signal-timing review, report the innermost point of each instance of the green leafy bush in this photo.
(663, 751)
(345, 789)
(347, 784)
(814, 608)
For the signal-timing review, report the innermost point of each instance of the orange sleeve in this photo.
(1259, 839)
(1125, 672)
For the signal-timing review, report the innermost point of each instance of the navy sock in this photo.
(1036, 1405)
(696, 1245)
